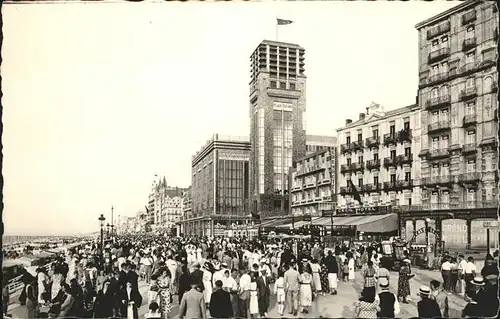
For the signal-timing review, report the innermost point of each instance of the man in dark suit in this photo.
(197, 276)
(220, 302)
(130, 301)
(192, 305)
(122, 276)
(132, 276)
(264, 292)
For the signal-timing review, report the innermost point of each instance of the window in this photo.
(470, 83)
(444, 41)
(470, 32)
(435, 116)
(360, 137)
(375, 180)
(444, 115)
(393, 178)
(435, 142)
(445, 169)
(360, 182)
(348, 162)
(348, 140)
(406, 124)
(375, 157)
(444, 67)
(471, 196)
(434, 93)
(360, 159)
(435, 170)
(273, 84)
(407, 151)
(407, 176)
(471, 166)
(469, 58)
(470, 138)
(434, 69)
(393, 154)
(282, 85)
(435, 45)
(444, 141)
(292, 86)
(392, 129)
(375, 132)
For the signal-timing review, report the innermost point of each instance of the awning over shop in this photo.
(384, 223)
(298, 224)
(368, 223)
(275, 222)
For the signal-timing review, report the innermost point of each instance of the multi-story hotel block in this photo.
(219, 188)
(378, 153)
(458, 99)
(312, 187)
(277, 133)
(316, 143)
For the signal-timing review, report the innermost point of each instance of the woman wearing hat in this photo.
(427, 307)
(404, 281)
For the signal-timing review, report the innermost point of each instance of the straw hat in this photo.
(478, 281)
(424, 291)
(406, 261)
(384, 284)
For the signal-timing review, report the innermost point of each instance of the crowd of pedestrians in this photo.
(228, 277)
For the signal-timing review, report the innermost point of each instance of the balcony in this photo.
(372, 187)
(390, 138)
(344, 148)
(373, 164)
(438, 126)
(405, 159)
(468, 93)
(469, 120)
(390, 161)
(437, 180)
(344, 168)
(469, 178)
(468, 44)
(468, 17)
(356, 146)
(357, 167)
(406, 184)
(433, 79)
(309, 170)
(468, 67)
(438, 102)
(438, 55)
(372, 141)
(405, 135)
(390, 186)
(468, 149)
(437, 154)
(439, 29)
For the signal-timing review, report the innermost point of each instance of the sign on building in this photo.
(491, 224)
(280, 106)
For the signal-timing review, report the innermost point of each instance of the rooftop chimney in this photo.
(348, 121)
(361, 116)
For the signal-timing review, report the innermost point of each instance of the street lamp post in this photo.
(427, 239)
(102, 219)
(107, 230)
(112, 227)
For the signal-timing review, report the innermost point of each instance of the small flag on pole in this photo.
(356, 195)
(283, 21)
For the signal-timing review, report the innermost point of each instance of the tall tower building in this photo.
(277, 132)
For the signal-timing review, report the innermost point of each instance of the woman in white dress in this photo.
(280, 292)
(254, 297)
(351, 266)
(316, 270)
(207, 283)
(57, 280)
(43, 280)
(306, 289)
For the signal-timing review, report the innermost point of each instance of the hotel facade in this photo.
(459, 119)
(377, 153)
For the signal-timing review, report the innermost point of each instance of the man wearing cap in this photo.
(427, 308)
(388, 303)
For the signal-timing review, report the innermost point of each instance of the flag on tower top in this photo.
(283, 21)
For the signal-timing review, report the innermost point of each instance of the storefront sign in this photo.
(422, 230)
(365, 210)
(491, 224)
(280, 106)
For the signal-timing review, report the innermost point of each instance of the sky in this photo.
(100, 97)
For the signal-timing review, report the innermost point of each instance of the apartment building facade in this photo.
(458, 99)
(277, 123)
(378, 154)
(313, 183)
